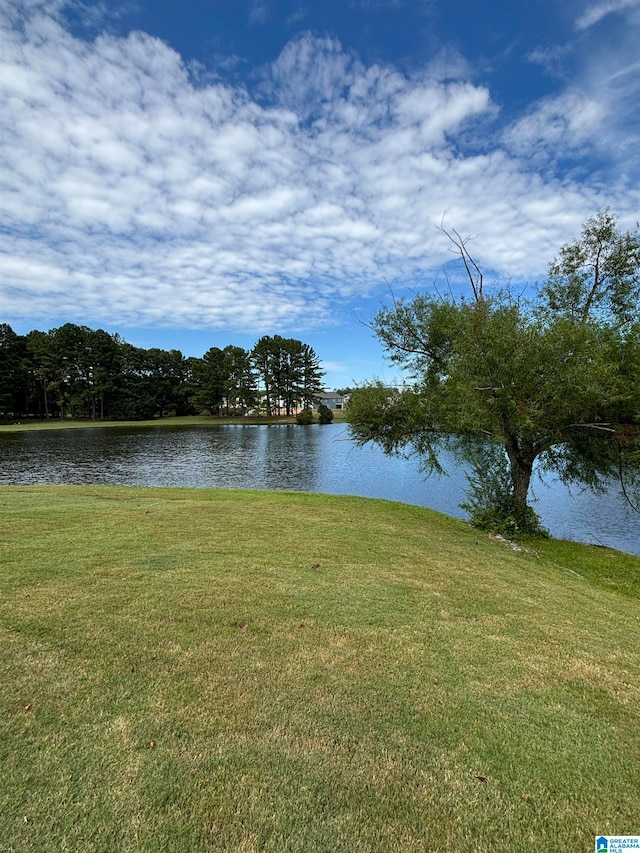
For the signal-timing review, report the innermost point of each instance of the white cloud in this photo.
(564, 123)
(597, 113)
(132, 196)
(259, 12)
(552, 58)
(597, 11)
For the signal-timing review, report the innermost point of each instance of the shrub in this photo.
(325, 415)
(305, 417)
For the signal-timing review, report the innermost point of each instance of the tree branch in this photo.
(474, 273)
(624, 488)
(602, 427)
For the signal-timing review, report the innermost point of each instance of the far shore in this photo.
(186, 420)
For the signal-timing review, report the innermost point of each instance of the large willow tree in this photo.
(507, 384)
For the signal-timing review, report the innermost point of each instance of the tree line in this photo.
(77, 372)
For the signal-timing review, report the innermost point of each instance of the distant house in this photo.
(331, 399)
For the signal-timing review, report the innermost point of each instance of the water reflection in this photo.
(310, 459)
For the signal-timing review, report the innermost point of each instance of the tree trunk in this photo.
(521, 469)
(520, 480)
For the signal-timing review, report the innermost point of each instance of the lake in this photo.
(310, 459)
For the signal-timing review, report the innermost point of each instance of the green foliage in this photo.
(305, 417)
(77, 372)
(289, 371)
(554, 381)
(13, 355)
(489, 502)
(599, 273)
(325, 415)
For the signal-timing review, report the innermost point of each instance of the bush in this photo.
(305, 417)
(325, 415)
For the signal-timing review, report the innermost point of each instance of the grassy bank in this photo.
(186, 420)
(246, 671)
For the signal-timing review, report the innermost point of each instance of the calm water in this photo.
(310, 459)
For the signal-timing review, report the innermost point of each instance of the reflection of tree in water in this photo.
(291, 457)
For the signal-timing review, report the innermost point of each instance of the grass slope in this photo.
(255, 671)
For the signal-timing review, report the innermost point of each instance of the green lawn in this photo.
(192, 670)
(186, 420)
(182, 420)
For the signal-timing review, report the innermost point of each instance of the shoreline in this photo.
(186, 420)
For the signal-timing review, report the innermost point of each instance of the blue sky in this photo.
(204, 172)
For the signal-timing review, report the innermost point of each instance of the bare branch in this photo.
(602, 427)
(474, 273)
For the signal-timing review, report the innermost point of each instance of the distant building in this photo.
(331, 399)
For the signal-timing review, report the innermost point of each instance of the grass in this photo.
(181, 420)
(85, 423)
(191, 670)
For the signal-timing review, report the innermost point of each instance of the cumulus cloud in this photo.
(133, 194)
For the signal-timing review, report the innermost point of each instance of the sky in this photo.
(198, 173)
